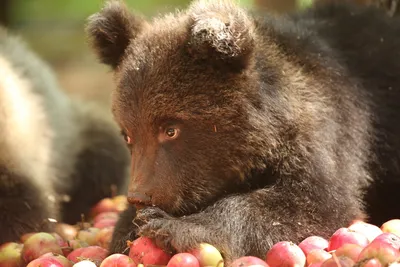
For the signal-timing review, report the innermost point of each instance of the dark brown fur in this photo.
(283, 122)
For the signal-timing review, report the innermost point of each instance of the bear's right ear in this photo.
(111, 30)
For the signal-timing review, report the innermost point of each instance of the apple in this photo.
(143, 250)
(183, 260)
(384, 252)
(340, 261)
(391, 226)
(57, 257)
(60, 241)
(208, 255)
(10, 255)
(46, 262)
(104, 205)
(317, 256)
(72, 245)
(369, 230)
(248, 261)
(66, 231)
(38, 244)
(85, 263)
(24, 237)
(351, 251)
(370, 263)
(106, 222)
(120, 202)
(285, 254)
(106, 215)
(388, 238)
(118, 260)
(104, 236)
(95, 254)
(313, 242)
(346, 236)
(88, 235)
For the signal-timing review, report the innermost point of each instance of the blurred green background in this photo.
(55, 30)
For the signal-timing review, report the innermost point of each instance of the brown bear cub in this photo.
(249, 129)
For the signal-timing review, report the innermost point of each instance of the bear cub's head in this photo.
(186, 99)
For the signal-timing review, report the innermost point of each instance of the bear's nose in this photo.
(139, 199)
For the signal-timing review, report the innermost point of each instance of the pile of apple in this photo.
(86, 245)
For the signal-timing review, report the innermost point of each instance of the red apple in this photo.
(57, 257)
(369, 230)
(317, 256)
(345, 236)
(106, 215)
(143, 250)
(39, 244)
(45, 262)
(10, 255)
(351, 251)
(388, 238)
(313, 242)
(107, 222)
(72, 245)
(93, 253)
(183, 260)
(104, 205)
(248, 261)
(285, 254)
(208, 255)
(384, 252)
(60, 241)
(118, 260)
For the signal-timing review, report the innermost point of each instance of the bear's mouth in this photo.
(139, 200)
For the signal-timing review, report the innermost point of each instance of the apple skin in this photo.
(117, 260)
(391, 226)
(313, 242)
(317, 256)
(183, 260)
(345, 236)
(285, 254)
(351, 251)
(369, 230)
(333, 262)
(384, 252)
(38, 244)
(208, 255)
(10, 255)
(144, 250)
(94, 253)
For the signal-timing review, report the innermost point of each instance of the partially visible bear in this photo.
(58, 156)
(248, 129)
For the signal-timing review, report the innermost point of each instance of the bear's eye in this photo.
(171, 133)
(126, 138)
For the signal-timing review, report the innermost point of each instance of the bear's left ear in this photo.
(221, 30)
(111, 30)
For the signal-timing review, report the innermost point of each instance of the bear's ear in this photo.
(221, 30)
(111, 30)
